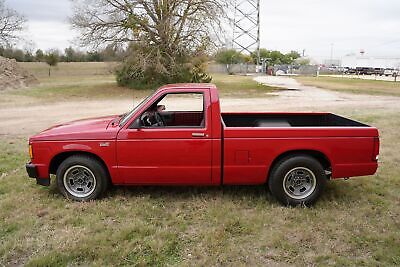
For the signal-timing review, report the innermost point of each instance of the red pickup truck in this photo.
(178, 136)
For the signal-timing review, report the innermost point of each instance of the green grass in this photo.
(357, 86)
(356, 222)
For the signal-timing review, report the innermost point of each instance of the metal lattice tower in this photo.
(246, 27)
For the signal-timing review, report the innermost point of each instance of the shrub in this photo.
(149, 67)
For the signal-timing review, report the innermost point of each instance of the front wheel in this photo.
(81, 178)
(297, 180)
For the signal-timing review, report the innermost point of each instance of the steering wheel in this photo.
(152, 119)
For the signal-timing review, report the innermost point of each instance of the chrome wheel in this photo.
(299, 183)
(79, 181)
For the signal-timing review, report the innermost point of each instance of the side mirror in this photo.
(136, 124)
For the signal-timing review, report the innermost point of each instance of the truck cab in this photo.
(181, 147)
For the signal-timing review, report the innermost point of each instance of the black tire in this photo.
(305, 171)
(85, 167)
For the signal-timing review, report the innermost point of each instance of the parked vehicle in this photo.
(379, 71)
(365, 71)
(350, 71)
(178, 136)
(391, 72)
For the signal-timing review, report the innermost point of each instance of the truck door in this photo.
(169, 142)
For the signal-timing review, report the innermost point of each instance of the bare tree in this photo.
(164, 35)
(169, 24)
(10, 24)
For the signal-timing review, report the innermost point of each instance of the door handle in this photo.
(198, 134)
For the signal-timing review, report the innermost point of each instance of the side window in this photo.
(176, 110)
(183, 102)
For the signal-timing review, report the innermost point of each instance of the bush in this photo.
(149, 67)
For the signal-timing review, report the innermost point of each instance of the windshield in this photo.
(128, 115)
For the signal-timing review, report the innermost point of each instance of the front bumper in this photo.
(32, 171)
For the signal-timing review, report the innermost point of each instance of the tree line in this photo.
(270, 57)
(110, 54)
(69, 54)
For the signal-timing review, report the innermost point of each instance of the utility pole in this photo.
(246, 27)
(258, 33)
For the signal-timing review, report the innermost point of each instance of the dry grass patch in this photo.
(64, 69)
(357, 86)
(240, 86)
(96, 81)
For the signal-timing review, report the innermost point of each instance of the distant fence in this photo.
(234, 68)
(299, 70)
(251, 68)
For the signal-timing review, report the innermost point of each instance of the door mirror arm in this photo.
(136, 124)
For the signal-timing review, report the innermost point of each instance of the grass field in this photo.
(95, 80)
(75, 69)
(355, 223)
(359, 86)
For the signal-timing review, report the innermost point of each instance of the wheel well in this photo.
(326, 164)
(58, 159)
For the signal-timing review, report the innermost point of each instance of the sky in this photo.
(319, 27)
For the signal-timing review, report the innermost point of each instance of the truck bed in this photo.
(287, 120)
(254, 140)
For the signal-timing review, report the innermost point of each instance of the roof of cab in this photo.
(189, 86)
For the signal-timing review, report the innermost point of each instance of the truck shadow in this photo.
(335, 191)
(185, 192)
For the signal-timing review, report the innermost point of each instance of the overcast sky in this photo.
(313, 25)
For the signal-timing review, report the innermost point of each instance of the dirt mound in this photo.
(14, 76)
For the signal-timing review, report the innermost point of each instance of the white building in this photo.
(354, 61)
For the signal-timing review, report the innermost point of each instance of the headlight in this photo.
(30, 151)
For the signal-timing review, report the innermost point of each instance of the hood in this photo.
(87, 129)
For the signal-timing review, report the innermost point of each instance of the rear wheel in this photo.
(297, 180)
(82, 178)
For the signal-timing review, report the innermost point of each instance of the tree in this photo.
(93, 56)
(28, 57)
(18, 55)
(302, 61)
(275, 57)
(163, 36)
(69, 54)
(52, 58)
(291, 57)
(111, 53)
(229, 57)
(10, 24)
(39, 55)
